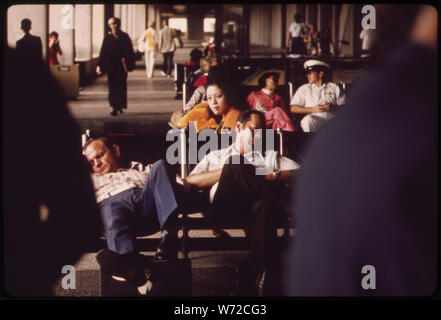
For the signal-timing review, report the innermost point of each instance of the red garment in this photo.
(274, 105)
(201, 81)
(53, 54)
(277, 118)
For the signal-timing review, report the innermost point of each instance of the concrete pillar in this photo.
(62, 20)
(123, 17)
(83, 32)
(37, 14)
(346, 30)
(98, 30)
(260, 25)
(158, 19)
(307, 15)
(132, 19)
(151, 12)
(117, 11)
(195, 26)
(334, 28)
(319, 17)
(141, 19)
(276, 28)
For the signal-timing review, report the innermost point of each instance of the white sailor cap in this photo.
(316, 65)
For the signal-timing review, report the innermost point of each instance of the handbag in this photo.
(140, 45)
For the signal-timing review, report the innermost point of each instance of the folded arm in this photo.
(204, 179)
(303, 110)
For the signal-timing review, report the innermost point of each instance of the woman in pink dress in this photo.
(270, 103)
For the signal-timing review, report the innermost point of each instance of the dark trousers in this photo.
(298, 46)
(139, 211)
(117, 83)
(245, 197)
(167, 67)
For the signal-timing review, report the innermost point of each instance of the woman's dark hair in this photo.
(262, 79)
(226, 88)
(54, 33)
(393, 24)
(195, 55)
(298, 17)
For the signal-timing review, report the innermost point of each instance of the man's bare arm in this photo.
(204, 179)
(303, 110)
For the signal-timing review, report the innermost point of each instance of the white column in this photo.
(123, 17)
(276, 28)
(98, 30)
(140, 18)
(62, 20)
(151, 15)
(37, 14)
(346, 30)
(83, 32)
(306, 18)
(117, 11)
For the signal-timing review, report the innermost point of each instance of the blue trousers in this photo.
(138, 211)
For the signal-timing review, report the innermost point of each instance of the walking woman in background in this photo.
(149, 41)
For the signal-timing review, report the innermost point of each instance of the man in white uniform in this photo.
(316, 98)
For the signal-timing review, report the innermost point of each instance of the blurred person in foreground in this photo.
(368, 192)
(50, 217)
(29, 45)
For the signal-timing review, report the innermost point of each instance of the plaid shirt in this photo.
(112, 183)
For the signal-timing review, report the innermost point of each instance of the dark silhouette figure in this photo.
(368, 194)
(50, 214)
(29, 45)
(116, 59)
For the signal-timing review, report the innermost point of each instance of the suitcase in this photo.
(68, 78)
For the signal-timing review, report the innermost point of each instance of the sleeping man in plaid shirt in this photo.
(132, 202)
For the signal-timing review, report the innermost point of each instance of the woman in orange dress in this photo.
(217, 113)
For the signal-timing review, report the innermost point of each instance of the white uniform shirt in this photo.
(297, 29)
(310, 95)
(216, 159)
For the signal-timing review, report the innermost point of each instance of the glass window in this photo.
(209, 25)
(178, 23)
